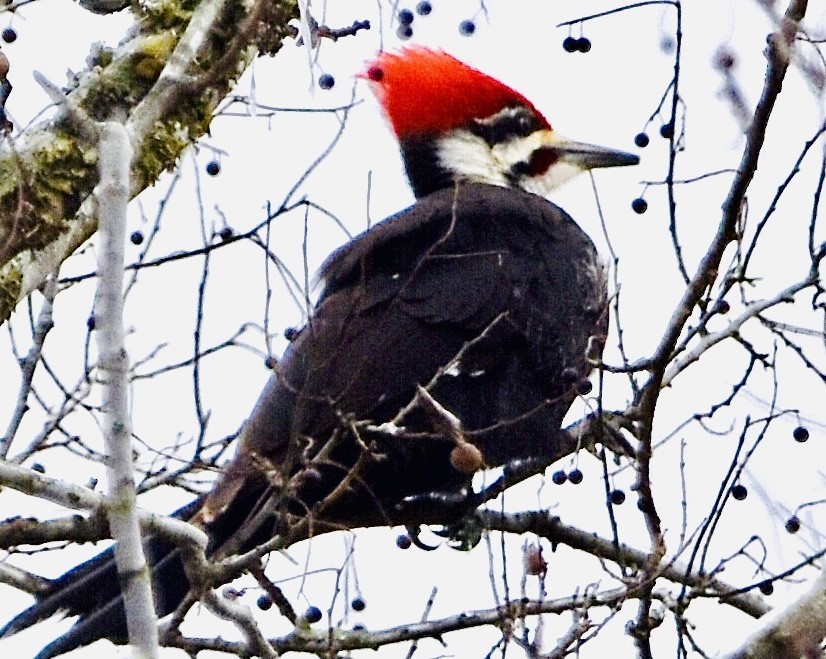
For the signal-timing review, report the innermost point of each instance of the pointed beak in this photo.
(589, 156)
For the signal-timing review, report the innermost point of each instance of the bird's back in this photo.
(484, 295)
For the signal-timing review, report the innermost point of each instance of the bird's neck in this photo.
(434, 163)
(425, 172)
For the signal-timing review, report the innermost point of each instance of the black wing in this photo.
(483, 293)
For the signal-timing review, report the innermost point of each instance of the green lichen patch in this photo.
(160, 151)
(61, 174)
(155, 15)
(11, 279)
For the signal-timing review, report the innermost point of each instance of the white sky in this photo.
(603, 97)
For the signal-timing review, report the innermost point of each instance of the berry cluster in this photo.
(573, 45)
(640, 205)
(792, 525)
(406, 17)
(560, 477)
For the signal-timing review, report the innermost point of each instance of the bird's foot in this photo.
(436, 506)
(452, 510)
(463, 534)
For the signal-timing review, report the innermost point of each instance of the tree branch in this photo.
(169, 88)
(112, 199)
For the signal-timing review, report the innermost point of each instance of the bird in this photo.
(451, 337)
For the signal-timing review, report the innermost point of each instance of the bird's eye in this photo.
(505, 125)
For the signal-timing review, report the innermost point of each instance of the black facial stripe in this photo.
(506, 125)
(536, 165)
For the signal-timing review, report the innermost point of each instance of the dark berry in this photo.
(375, 73)
(641, 140)
(575, 476)
(358, 604)
(424, 8)
(405, 16)
(793, 524)
(404, 32)
(724, 59)
(311, 475)
(136, 238)
(569, 375)
(467, 28)
(617, 497)
(766, 587)
(264, 603)
(639, 205)
(559, 477)
(722, 307)
(358, 627)
(290, 333)
(800, 434)
(312, 614)
(213, 167)
(584, 386)
(403, 541)
(270, 363)
(39, 468)
(667, 130)
(90, 322)
(569, 44)
(739, 492)
(225, 233)
(583, 44)
(9, 34)
(326, 81)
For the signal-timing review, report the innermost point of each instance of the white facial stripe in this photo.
(558, 173)
(518, 149)
(471, 158)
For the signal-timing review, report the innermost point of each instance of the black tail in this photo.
(92, 591)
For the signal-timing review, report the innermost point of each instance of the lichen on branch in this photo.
(167, 79)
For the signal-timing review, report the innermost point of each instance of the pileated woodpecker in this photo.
(466, 320)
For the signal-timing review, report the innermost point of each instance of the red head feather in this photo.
(425, 92)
